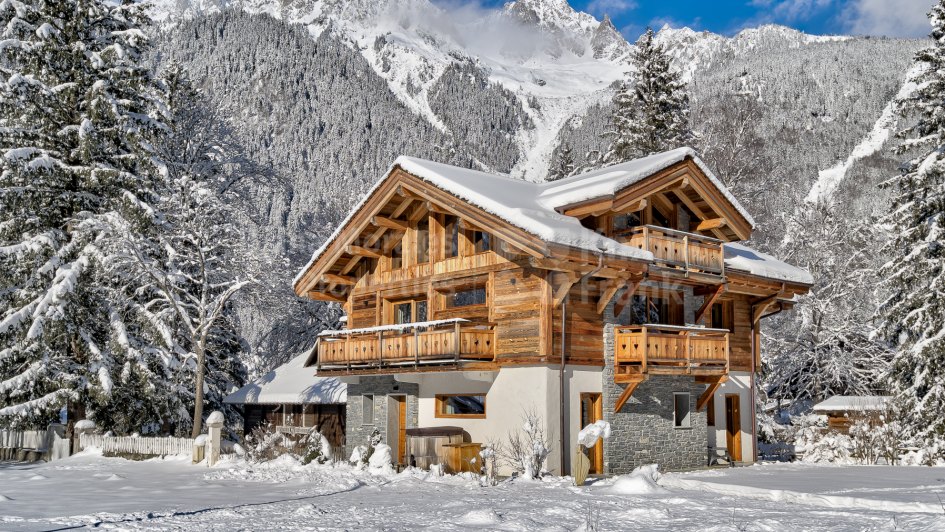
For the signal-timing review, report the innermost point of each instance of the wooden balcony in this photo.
(669, 350)
(689, 252)
(446, 344)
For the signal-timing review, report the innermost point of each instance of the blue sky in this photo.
(892, 18)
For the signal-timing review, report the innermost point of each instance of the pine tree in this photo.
(75, 107)
(564, 164)
(651, 109)
(914, 313)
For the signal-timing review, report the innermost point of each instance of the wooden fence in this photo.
(146, 446)
(50, 444)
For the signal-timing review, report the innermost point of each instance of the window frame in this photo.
(414, 304)
(440, 404)
(686, 422)
(364, 422)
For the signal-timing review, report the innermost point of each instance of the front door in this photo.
(397, 427)
(592, 411)
(733, 427)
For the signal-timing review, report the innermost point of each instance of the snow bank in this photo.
(640, 481)
(380, 461)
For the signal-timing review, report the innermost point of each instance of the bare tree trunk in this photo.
(198, 392)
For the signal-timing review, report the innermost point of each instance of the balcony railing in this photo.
(668, 349)
(404, 348)
(678, 249)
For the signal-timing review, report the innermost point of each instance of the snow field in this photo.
(164, 494)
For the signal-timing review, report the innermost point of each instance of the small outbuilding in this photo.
(843, 411)
(294, 400)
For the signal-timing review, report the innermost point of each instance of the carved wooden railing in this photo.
(689, 251)
(407, 347)
(667, 349)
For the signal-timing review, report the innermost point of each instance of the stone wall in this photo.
(643, 430)
(357, 431)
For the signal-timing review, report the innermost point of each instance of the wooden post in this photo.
(646, 238)
(380, 349)
(686, 252)
(688, 349)
(416, 348)
(457, 347)
(645, 351)
(722, 257)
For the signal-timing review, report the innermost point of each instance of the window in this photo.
(367, 409)
(622, 222)
(423, 242)
(467, 298)
(397, 257)
(482, 241)
(681, 410)
(471, 406)
(710, 411)
(723, 316)
(410, 311)
(451, 223)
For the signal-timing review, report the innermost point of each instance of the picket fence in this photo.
(23, 439)
(161, 446)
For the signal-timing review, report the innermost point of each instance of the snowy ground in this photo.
(91, 491)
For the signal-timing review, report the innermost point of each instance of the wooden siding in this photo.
(516, 303)
(584, 341)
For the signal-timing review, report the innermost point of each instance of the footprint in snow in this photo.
(4, 498)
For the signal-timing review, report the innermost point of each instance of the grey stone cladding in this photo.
(643, 432)
(358, 426)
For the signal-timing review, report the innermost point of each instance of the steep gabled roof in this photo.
(533, 208)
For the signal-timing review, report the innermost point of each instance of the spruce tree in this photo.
(564, 164)
(651, 108)
(914, 313)
(75, 107)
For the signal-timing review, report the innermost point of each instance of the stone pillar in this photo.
(84, 426)
(214, 430)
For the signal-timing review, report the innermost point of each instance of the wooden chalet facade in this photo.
(619, 294)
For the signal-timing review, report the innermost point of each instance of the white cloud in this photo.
(791, 10)
(899, 18)
(609, 7)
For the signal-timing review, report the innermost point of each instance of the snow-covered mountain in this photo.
(328, 92)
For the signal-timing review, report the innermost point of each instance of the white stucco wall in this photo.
(739, 382)
(509, 393)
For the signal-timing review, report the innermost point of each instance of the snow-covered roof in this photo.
(742, 258)
(531, 207)
(853, 403)
(291, 383)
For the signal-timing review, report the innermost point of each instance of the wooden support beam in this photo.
(322, 296)
(710, 391)
(626, 296)
(662, 203)
(630, 205)
(401, 208)
(363, 252)
(330, 278)
(587, 209)
(759, 307)
(563, 289)
(707, 303)
(627, 392)
(566, 266)
(712, 223)
(433, 207)
(684, 198)
(390, 223)
(607, 294)
(417, 213)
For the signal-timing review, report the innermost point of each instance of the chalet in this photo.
(293, 402)
(620, 294)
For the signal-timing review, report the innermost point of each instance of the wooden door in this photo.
(400, 404)
(733, 427)
(592, 411)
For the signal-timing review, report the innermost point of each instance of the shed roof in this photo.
(291, 383)
(853, 403)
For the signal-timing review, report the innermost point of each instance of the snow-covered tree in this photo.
(825, 346)
(651, 109)
(563, 166)
(76, 106)
(914, 313)
(188, 268)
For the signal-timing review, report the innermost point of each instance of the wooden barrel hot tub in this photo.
(425, 446)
